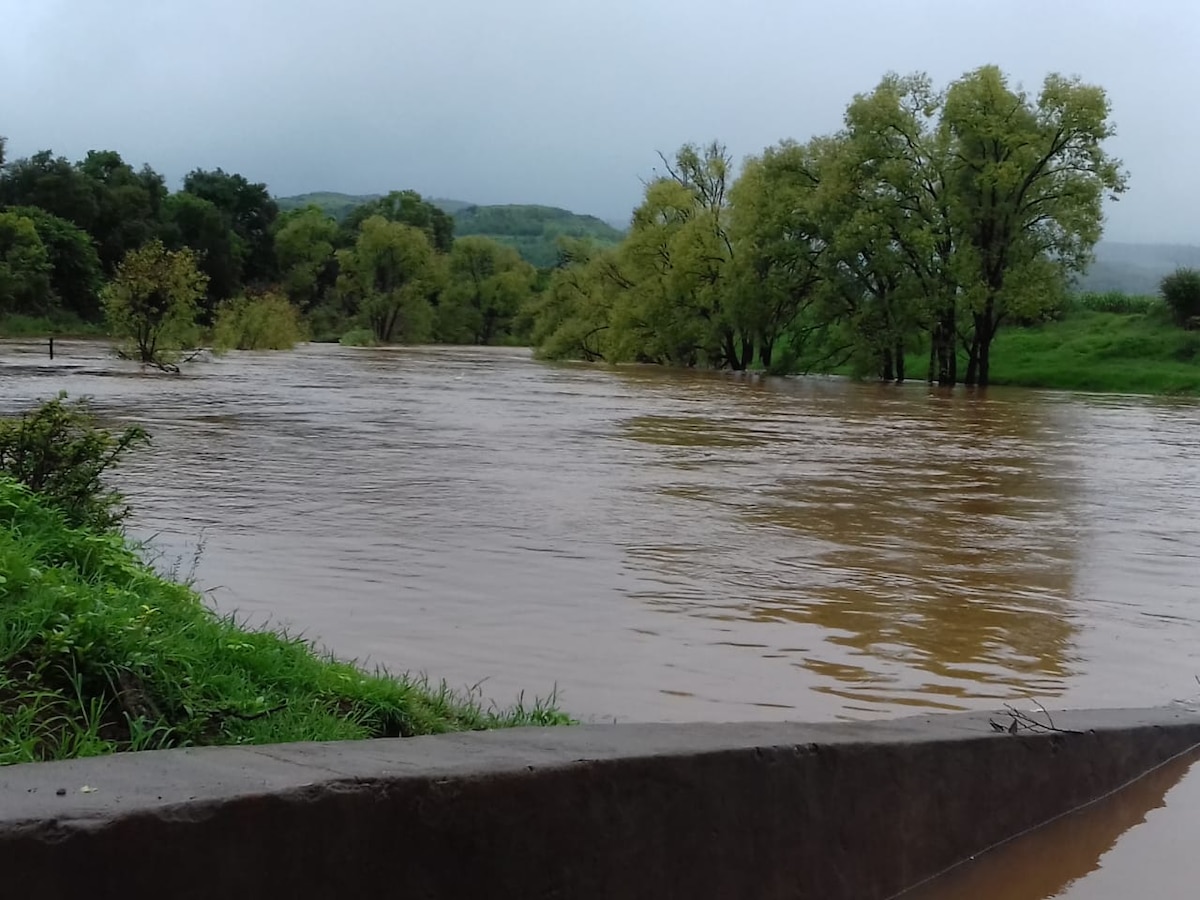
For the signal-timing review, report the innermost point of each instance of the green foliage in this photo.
(75, 274)
(535, 232)
(248, 211)
(1181, 291)
(25, 267)
(487, 286)
(195, 223)
(263, 322)
(152, 303)
(406, 208)
(932, 217)
(304, 248)
(57, 324)
(359, 337)
(336, 206)
(100, 654)
(1116, 302)
(61, 453)
(388, 277)
(1101, 351)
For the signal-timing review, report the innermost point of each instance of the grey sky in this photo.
(559, 101)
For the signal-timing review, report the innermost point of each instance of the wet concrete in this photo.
(845, 810)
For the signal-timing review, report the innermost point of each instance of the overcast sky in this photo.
(559, 101)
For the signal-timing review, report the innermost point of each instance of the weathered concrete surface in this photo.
(703, 811)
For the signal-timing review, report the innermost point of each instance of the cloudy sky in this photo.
(559, 101)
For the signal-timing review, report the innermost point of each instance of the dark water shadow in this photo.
(1043, 863)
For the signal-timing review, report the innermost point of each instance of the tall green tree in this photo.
(388, 277)
(249, 212)
(128, 204)
(75, 274)
(196, 223)
(25, 268)
(1027, 180)
(488, 285)
(153, 303)
(304, 249)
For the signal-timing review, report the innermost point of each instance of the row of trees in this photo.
(929, 220)
(393, 266)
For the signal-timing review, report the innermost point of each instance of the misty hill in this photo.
(1136, 268)
(532, 230)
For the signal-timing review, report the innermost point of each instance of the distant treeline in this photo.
(932, 219)
(391, 265)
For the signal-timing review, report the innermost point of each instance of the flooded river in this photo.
(672, 546)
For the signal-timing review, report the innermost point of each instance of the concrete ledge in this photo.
(698, 811)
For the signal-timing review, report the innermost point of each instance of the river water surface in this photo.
(672, 546)
(686, 546)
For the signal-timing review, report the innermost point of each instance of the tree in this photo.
(192, 221)
(128, 204)
(50, 183)
(249, 212)
(1181, 291)
(152, 303)
(389, 275)
(75, 275)
(993, 198)
(779, 245)
(488, 284)
(304, 250)
(24, 267)
(407, 208)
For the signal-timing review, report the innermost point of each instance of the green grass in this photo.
(99, 654)
(16, 326)
(1101, 351)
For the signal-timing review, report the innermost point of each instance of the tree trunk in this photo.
(985, 353)
(765, 353)
(747, 354)
(887, 370)
(899, 362)
(973, 359)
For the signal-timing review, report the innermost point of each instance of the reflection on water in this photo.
(673, 545)
(1137, 842)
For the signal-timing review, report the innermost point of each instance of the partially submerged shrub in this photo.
(265, 322)
(359, 337)
(60, 453)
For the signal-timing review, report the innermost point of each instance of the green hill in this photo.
(333, 203)
(533, 230)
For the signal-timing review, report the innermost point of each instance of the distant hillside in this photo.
(333, 203)
(1136, 268)
(533, 230)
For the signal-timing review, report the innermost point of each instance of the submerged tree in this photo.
(388, 277)
(152, 303)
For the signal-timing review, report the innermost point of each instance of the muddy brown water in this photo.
(675, 546)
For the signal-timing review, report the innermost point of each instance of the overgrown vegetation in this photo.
(265, 322)
(99, 653)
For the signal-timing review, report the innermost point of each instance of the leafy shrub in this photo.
(359, 337)
(266, 322)
(1181, 291)
(59, 452)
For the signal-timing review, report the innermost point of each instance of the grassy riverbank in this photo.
(65, 326)
(98, 654)
(1101, 351)
(1108, 343)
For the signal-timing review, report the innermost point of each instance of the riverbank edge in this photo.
(838, 810)
(100, 654)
